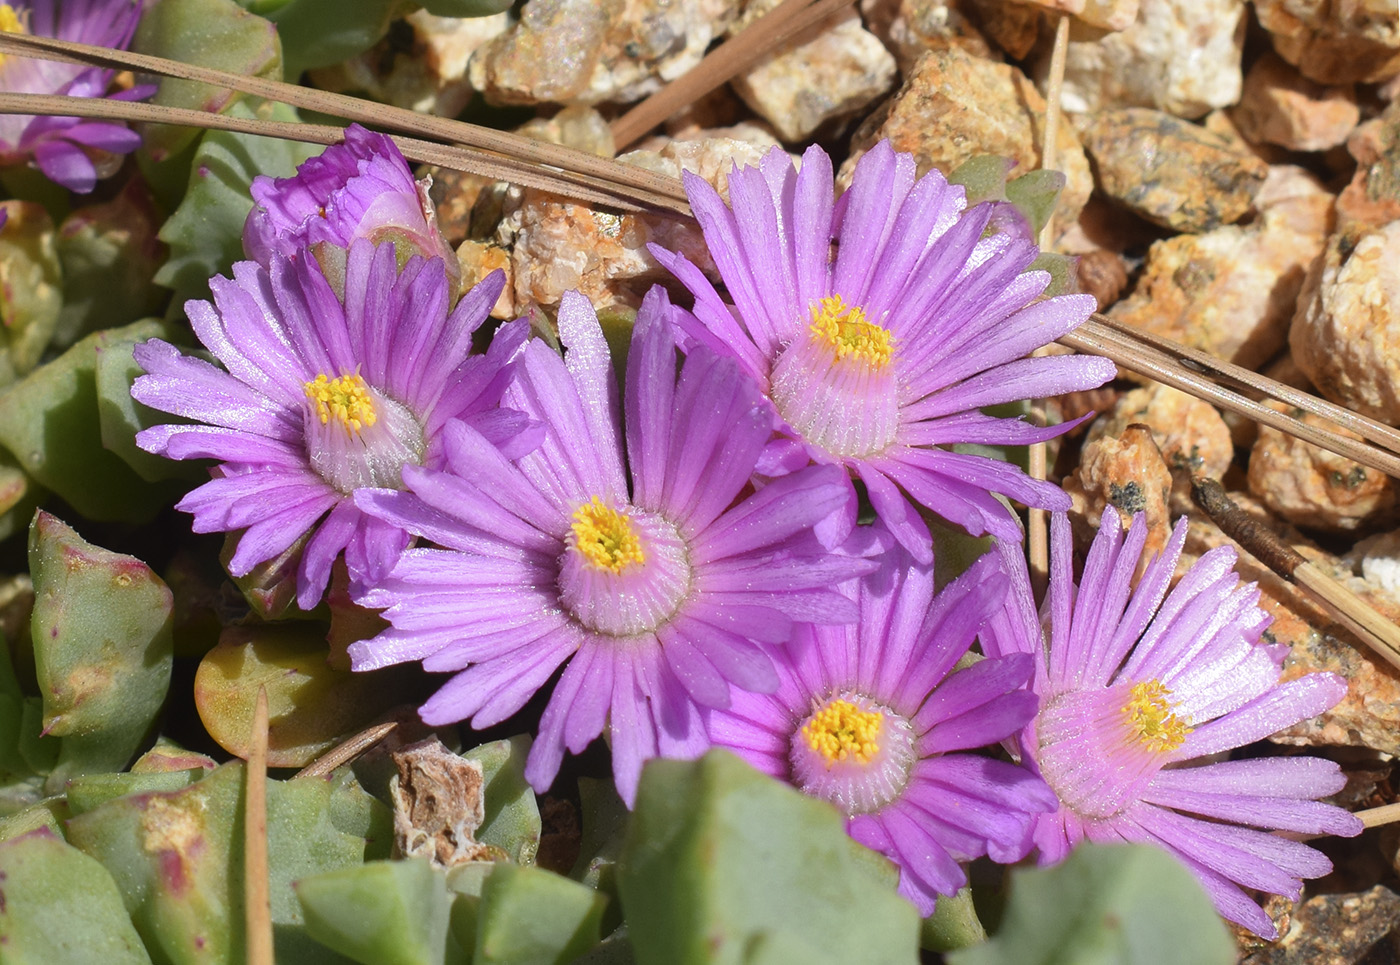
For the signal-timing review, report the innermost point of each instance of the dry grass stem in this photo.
(642, 186)
(257, 903)
(1178, 369)
(731, 58)
(1368, 626)
(347, 750)
(1381, 816)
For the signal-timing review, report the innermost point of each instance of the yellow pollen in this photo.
(841, 730)
(1150, 715)
(605, 537)
(849, 334)
(346, 399)
(10, 24)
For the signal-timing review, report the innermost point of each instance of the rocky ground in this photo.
(1233, 183)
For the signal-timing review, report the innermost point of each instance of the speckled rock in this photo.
(1108, 14)
(1171, 172)
(1128, 471)
(1335, 43)
(548, 56)
(1232, 291)
(650, 43)
(1346, 333)
(1189, 433)
(1314, 488)
(1178, 56)
(1282, 107)
(581, 128)
(559, 245)
(1011, 25)
(910, 28)
(1369, 715)
(833, 75)
(477, 260)
(955, 106)
(428, 73)
(1335, 928)
(1373, 196)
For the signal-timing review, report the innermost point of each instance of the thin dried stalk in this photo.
(425, 152)
(731, 58)
(257, 902)
(1381, 816)
(1099, 337)
(1221, 371)
(568, 164)
(1037, 522)
(347, 750)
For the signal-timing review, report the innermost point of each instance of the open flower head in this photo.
(873, 718)
(1138, 686)
(879, 352)
(361, 188)
(319, 398)
(655, 578)
(70, 151)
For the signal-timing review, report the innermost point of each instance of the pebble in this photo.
(954, 107)
(1346, 333)
(1280, 106)
(1314, 488)
(428, 73)
(909, 28)
(1335, 43)
(650, 43)
(1171, 172)
(1012, 26)
(1231, 291)
(1178, 56)
(549, 55)
(1189, 433)
(478, 259)
(1373, 196)
(1108, 14)
(834, 75)
(1335, 927)
(559, 245)
(1128, 471)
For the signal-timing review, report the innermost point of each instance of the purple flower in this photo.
(322, 398)
(362, 188)
(654, 585)
(883, 352)
(1138, 685)
(63, 147)
(873, 719)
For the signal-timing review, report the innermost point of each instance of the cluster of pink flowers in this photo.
(680, 554)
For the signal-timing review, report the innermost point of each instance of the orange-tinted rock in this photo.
(1282, 107)
(1128, 471)
(1335, 43)
(1190, 434)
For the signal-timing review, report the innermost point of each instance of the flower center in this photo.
(841, 730)
(10, 23)
(1100, 748)
(849, 334)
(605, 537)
(1150, 716)
(356, 437)
(854, 753)
(835, 383)
(345, 399)
(624, 571)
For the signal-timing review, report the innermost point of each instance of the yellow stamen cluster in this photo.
(346, 399)
(1150, 716)
(849, 334)
(605, 537)
(841, 730)
(10, 23)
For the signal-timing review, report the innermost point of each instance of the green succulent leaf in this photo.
(529, 916)
(120, 417)
(382, 913)
(207, 33)
(178, 859)
(31, 287)
(205, 234)
(102, 649)
(60, 907)
(50, 422)
(1034, 194)
(723, 863)
(512, 821)
(1131, 904)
